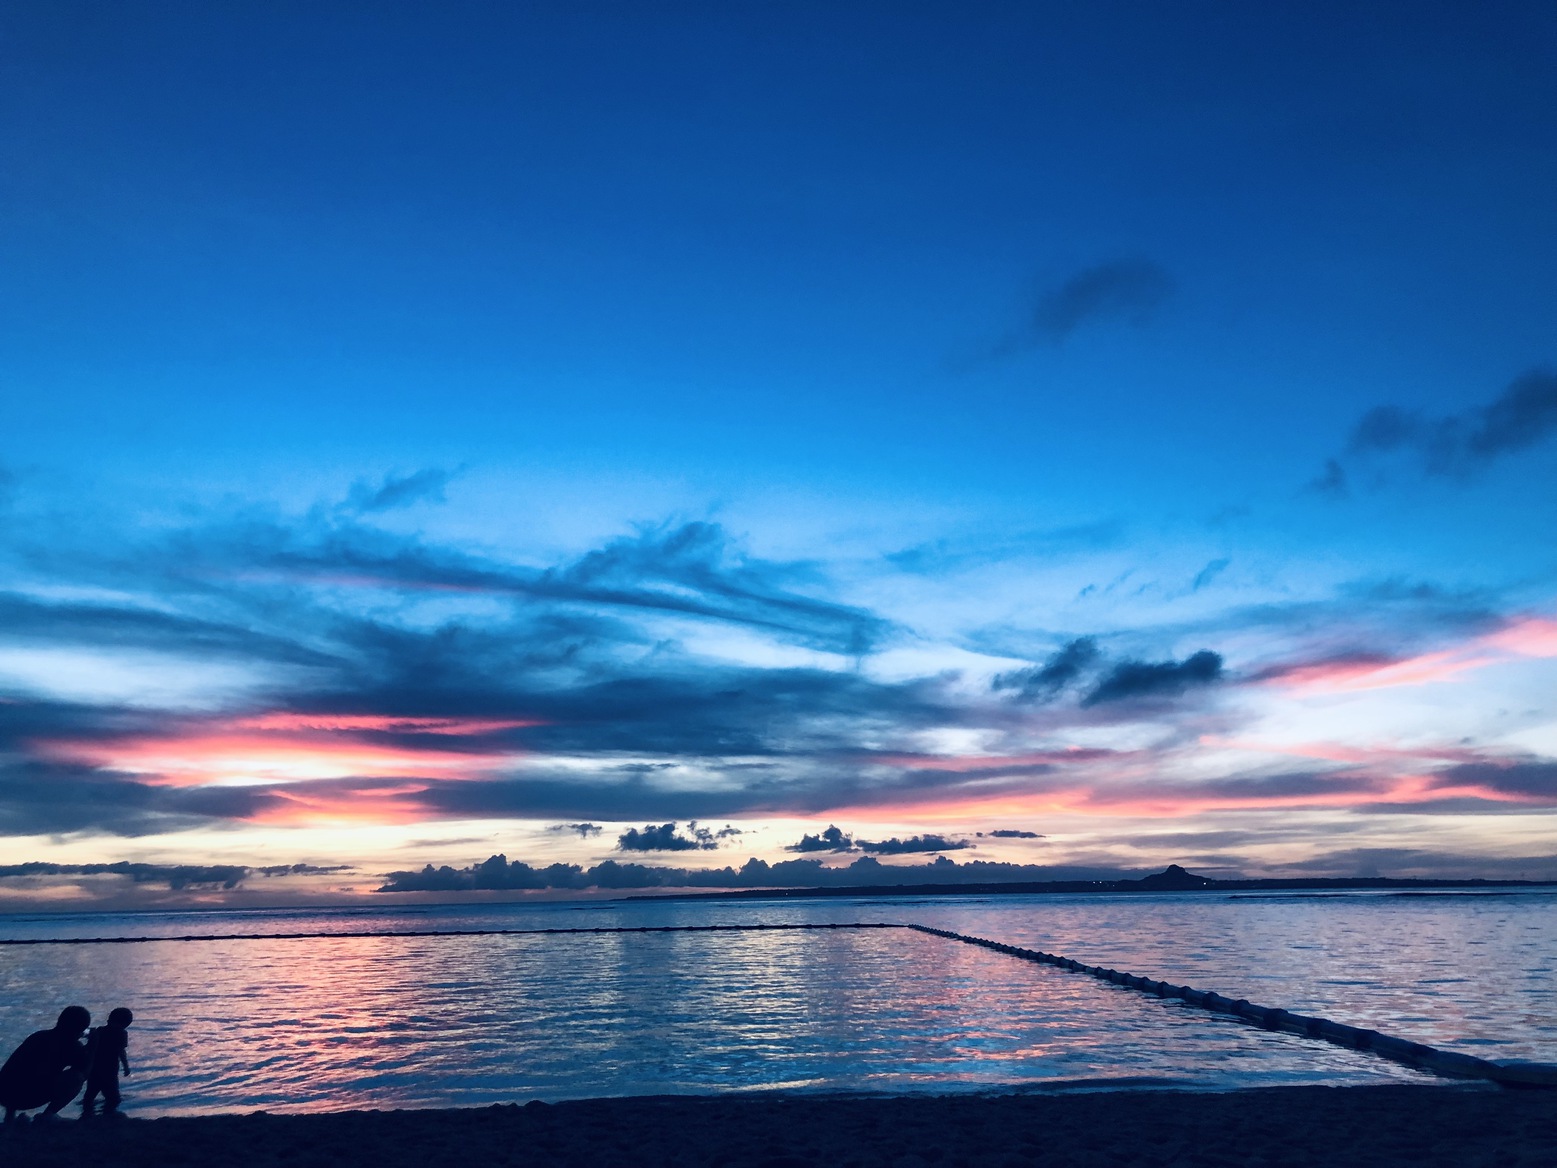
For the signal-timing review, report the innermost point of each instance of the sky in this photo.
(700, 445)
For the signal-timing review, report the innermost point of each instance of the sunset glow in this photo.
(540, 451)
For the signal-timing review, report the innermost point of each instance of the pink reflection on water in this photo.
(380, 1022)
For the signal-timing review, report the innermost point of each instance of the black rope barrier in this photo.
(1449, 1064)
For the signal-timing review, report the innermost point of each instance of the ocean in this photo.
(348, 1021)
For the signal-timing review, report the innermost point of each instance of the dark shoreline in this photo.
(1372, 1127)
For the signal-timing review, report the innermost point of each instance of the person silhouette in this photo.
(108, 1049)
(48, 1068)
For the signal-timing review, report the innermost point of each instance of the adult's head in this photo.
(73, 1019)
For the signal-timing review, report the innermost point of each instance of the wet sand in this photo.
(1372, 1127)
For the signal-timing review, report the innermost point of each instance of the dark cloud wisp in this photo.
(1046, 681)
(1455, 446)
(1209, 573)
(1128, 290)
(582, 830)
(1139, 679)
(396, 491)
(1528, 779)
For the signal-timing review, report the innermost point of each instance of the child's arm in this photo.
(124, 1058)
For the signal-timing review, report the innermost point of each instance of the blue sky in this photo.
(874, 353)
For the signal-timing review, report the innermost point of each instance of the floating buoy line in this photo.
(1413, 1054)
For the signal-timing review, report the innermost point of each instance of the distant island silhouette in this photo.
(1173, 878)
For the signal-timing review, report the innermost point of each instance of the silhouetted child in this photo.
(108, 1049)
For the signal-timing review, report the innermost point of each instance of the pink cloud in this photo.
(201, 759)
(288, 748)
(1360, 672)
(1529, 636)
(1135, 801)
(1344, 753)
(376, 804)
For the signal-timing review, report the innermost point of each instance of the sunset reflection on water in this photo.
(352, 1022)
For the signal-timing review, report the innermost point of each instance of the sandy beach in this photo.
(1370, 1126)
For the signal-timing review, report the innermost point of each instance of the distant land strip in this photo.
(1172, 879)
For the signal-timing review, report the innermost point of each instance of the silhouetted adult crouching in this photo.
(48, 1068)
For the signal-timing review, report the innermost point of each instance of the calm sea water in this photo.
(395, 1022)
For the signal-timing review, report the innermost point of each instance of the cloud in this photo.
(831, 840)
(252, 564)
(1044, 682)
(177, 877)
(582, 830)
(1287, 786)
(1403, 590)
(1134, 679)
(1485, 640)
(692, 570)
(700, 574)
(1209, 573)
(1454, 446)
(42, 798)
(1332, 481)
(129, 626)
(973, 549)
(1013, 833)
(917, 843)
(1422, 863)
(423, 486)
(1359, 670)
(392, 678)
(552, 660)
(1128, 290)
(495, 872)
(1532, 779)
(498, 872)
(664, 838)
